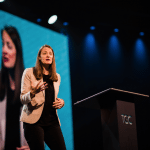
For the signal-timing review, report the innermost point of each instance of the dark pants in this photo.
(36, 135)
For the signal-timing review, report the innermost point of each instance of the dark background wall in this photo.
(103, 59)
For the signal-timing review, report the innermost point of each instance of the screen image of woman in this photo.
(39, 90)
(10, 85)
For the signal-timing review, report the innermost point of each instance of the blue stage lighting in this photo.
(39, 20)
(90, 49)
(141, 33)
(116, 30)
(65, 23)
(92, 27)
(140, 51)
(114, 48)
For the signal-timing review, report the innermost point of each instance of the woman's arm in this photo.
(28, 91)
(25, 87)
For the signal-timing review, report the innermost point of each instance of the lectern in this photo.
(124, 118)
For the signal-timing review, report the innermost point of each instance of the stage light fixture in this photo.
(39, 20)
(141, 33)
(2, 1)
(65, 23)
(116, 30)
(92, 28)
(52, 19)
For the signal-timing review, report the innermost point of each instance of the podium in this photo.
(124, 119)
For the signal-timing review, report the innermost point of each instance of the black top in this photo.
(49, 115)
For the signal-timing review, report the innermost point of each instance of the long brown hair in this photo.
(18, 68)
(38, 69)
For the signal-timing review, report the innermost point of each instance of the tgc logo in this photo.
(126, 119)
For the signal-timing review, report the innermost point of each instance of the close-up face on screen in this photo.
(20, 42)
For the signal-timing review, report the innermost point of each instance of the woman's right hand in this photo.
(38, 88)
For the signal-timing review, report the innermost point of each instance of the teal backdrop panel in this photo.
(33, 36)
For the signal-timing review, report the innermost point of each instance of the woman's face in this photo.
(8, 51)
(46, 56)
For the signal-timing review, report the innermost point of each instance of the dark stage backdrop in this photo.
(104, 59)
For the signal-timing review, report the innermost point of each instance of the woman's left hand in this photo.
(59, 103)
